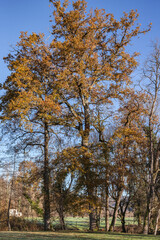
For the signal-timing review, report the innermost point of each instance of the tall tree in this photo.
(128, 136)
(92, 63)
(31, 99)
(151, 74)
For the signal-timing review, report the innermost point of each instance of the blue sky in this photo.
(33, 16)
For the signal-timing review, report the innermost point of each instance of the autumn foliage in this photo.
(71, 102)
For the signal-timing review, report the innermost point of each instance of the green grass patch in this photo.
(71, 236)
(83, 223)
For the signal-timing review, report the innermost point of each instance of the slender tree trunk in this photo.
(150, 194)
(10, 199)
(107, 213)
(139, 220)
(157, 220)
(8, 216)
(98, 218)
(107, 202)
(139, 214)
(145, 225)
(46, 179)
(115, 213)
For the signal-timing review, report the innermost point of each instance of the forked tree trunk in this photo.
(115, 213)
(123, 209)
(46, 180)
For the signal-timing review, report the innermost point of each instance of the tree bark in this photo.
(61, 216)
(60, 211)
(152, 179)
(115, 213)
(145, 224)
(10, 199)
(157, 220)
(107, 213)
(123, 208)
(46, 179)
(106, 155)
(107, 202)
(98, 218)
(8, 215)
(87, 167)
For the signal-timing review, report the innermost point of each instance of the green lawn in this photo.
(83, 223)
(71, 236)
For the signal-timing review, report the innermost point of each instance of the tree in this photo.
(61, 83)
(31, 99)
(63, 196)
(30, 179)
(126, 141)
(92, 64)
(151, 73)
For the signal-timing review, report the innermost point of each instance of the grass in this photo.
(83, 223)
(71, 236)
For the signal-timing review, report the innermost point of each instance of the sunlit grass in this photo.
(83, 223)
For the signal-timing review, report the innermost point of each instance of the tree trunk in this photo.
(98, 218)
(123, 223)
(107, 213)
(115, 213)
(61, 213)
(8, 215)
(62, 222)
(61, 218)
(106, 155)
(150, 195)
(10, 198)
(107, 203)
(92, 218)
(145, 225)
(157, 220)
(139, 214)
(87, 167)
(46, 179)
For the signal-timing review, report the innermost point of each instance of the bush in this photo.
(21, 224)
